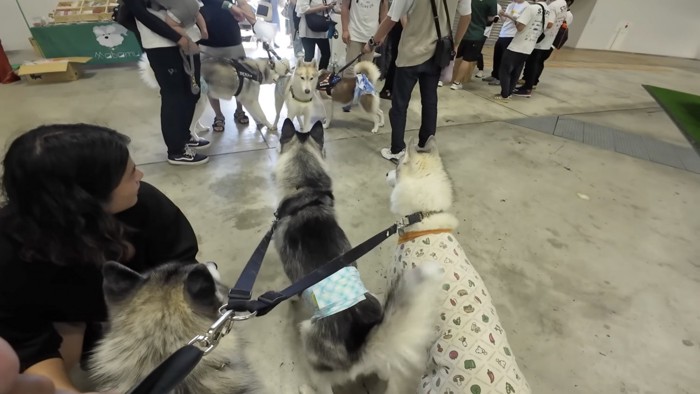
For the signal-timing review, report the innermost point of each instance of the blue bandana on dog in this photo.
(362, 86)
(336, 293)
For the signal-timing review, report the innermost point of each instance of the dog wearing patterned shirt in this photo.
(350, 332)
(471, 353)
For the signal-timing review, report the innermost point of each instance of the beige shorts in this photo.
(353, 49)
(234, 52)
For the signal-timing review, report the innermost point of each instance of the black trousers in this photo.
(323, 45)
(393, 42)
(534, 66)
(480, 62)
(427, 76)
(498, 50)
(177, 102)
(511, 67)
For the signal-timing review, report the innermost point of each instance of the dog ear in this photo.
(288, 131)
(317, 133)
(119, 281)
(200, 286)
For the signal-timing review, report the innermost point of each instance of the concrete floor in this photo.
(591, 255)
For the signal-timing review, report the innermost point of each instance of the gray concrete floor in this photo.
(591, 255)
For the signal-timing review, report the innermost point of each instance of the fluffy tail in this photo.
(146, 73)
(399, 344)
(369, 69)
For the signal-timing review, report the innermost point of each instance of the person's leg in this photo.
(480, 62)
(324, 46)
(505, 71)
(497, 57)
(353, 49)
(459, 63)
(427, 80)
(309, 48)
(519, 60)
(531, 66)
(545, 55)
(400, 98)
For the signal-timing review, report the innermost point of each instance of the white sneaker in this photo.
(439, 84)
(456, 86)
(386, 153)
(479, 74)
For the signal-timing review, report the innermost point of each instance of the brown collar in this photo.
(411, 235)
(291, 89)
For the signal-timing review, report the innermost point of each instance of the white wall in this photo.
(13, 31)
(657, 27)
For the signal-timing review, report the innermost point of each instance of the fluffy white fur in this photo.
(299, 93)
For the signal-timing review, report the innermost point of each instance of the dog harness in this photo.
(340, 291)
(245, 72)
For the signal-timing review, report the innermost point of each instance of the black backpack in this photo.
(562, 36)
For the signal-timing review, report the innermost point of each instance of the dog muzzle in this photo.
(391, 178)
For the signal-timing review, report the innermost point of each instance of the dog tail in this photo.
(369, 69)
(147, 75)
(400, 343)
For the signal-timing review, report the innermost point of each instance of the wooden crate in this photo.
(84, 11)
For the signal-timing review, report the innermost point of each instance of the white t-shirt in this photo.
(487, 31)
(151, 40)
(400, 8)
(569, 18)
(364, 19)
(514, 10)
(557, 15)
(304, 31)
(525, 41)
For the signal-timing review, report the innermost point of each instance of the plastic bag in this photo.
(446, 74)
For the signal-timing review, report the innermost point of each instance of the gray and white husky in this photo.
(368, 337)
(154, 314)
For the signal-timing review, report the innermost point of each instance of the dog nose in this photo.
(307, 91)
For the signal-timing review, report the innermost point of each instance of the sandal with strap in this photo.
(241, 117)
(219, 125)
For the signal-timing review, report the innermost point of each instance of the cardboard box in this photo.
(52, 70)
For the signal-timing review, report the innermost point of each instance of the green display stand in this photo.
(683, 109)
(104, 42)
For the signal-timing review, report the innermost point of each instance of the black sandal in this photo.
(219, 125)
(241, 117)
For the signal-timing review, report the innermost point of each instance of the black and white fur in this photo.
(389, 338)
(154, 314)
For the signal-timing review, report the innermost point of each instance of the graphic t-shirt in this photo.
(364, 19)
(557, 15)
(532, 17)
(514, 10)
(481, 11)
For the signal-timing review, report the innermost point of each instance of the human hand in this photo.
(366, 49)
(346, 37)
(205, 34)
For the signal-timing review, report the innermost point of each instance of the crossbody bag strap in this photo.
(544, 17)
(436, 18)
(449, 21)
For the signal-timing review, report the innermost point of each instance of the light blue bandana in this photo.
(362, 86)
(336, 293)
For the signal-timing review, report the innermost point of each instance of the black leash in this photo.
(175, 368)
(334, 78)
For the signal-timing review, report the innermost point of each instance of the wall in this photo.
(657, 27)
(13, 31)
(582, 10)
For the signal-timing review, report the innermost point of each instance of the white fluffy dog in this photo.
(471, 353)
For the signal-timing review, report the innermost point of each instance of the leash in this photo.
(177, 366)
(334, 78)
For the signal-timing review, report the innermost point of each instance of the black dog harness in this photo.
(245, 72)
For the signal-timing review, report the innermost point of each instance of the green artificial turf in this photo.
(682, 108)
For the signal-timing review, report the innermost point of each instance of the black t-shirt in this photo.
(223, 28)
(34, 295)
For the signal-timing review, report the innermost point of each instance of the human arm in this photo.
(383, 10)
(202, 26)
(464, 9)
(524, 18)
(345, 20)
(379, 37)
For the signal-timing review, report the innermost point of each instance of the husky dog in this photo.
(344, 93)
(222, 79)
(472, 353)
(299, 92)
(153, 315)
(351, 333)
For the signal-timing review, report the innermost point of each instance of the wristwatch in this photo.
(372, 43)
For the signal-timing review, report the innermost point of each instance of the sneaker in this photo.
(520, 92)
(197, 142)
(479, 74)
(500, 98)
(490, 78)
(347, 108)
(494, 82)
(385, 94)
(188, 158)
(456, 86)
(521, 82)
(395, 157)
(439, 84)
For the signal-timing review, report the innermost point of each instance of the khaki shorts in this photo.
(353, 49)
(234, 52)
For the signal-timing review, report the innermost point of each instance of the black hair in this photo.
(57, 181)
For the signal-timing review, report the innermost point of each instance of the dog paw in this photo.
(306, 389)
(272, 128)
(375, 130)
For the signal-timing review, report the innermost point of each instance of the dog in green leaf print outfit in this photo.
(471, 354)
